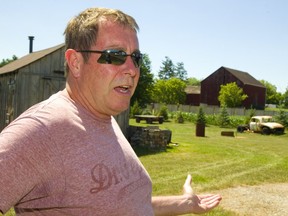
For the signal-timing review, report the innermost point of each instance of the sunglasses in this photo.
(116, 57)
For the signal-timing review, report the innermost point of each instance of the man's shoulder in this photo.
(56, 107)
(57, 101)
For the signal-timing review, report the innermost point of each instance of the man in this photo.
(67, 155)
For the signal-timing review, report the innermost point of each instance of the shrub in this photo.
(147, 112)
(212, 119)
(179, 117)
(236, 121)
(282, 117)
(190, 117)
(164, 112)
(252, 113)
(224, 119)
(201, 118)
(135, 109)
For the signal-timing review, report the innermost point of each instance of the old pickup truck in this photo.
(262, 124)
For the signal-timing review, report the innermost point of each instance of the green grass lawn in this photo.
(215, 161)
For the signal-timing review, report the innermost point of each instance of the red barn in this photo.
(193, 95)
(255, 90)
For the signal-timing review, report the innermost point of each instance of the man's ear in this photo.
(73, 60)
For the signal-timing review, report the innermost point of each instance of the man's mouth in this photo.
(123, 89)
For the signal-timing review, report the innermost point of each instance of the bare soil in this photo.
(261, 200)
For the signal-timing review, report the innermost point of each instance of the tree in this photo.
(143, 92)
(7, 61)
(282, 117)
(231, 95)
(285, 98)
(224, 119)
(169, 91)
(135, 109)
(272, 96)
(167, 71)
(180, 71)
(192, 81)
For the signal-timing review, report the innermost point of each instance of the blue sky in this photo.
(247, 35)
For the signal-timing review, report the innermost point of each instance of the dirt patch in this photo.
(261, 200)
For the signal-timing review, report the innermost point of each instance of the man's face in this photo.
(106, 89)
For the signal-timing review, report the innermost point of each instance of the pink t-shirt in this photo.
(59, 159)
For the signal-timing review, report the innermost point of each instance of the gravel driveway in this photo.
(261, 200)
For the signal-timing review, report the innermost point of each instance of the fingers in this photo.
(210, 200)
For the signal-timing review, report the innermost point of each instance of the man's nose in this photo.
(130, 67)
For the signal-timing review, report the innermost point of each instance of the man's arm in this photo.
(186, 203)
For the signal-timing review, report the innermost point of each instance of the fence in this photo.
(211, 109)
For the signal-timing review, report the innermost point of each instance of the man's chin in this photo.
(120, 109)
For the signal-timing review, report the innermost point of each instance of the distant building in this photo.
(255, 90)
(193, 95)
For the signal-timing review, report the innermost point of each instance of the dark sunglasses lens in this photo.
(137, 58)
(117, 57)
(112, 57)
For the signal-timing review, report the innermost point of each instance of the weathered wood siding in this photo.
(30, 84)
(123, 121)
(7, 98)
(256, 97)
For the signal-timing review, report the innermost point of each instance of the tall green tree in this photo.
(180, 71)
(231, 95)
(7, 61)
(169, 91)
(272, 96)
(143, 92)
(167, 70)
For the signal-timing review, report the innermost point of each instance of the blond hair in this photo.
(81, 31)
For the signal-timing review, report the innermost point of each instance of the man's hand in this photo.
(186, 203)
(199, 203)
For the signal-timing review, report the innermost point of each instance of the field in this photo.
(216, 162)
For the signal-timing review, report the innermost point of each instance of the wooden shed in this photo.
(29, 80)
(33, 78)
(255, 90)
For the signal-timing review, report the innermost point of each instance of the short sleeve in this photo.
(22, 160)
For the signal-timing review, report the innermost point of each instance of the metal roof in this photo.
(28, 59)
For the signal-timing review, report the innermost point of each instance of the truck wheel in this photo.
(240, 129)
(266, 131)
